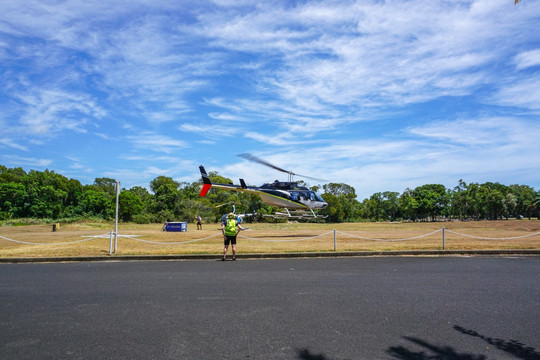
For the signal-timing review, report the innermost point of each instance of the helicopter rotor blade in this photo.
(266, 163)
(263, 162)
(220, 205)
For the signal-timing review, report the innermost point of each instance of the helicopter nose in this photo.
(324, 205)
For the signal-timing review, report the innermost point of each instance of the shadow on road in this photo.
(436, 352)
(514, 347)
(305, 354)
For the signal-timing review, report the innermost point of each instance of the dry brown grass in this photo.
(267, 238)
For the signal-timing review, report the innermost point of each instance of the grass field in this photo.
(75, 239)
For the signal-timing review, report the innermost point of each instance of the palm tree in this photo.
(535, 205)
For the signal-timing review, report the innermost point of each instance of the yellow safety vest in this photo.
(230, 227)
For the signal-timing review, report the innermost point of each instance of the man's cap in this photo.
(231, 215)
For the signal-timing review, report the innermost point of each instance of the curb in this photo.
(533, 252)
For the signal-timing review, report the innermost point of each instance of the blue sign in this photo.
(176, 226)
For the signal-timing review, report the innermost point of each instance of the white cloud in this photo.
(156, 142)
(413, 51)
(527, 59)
(350, 84)
(48, 111)
(210, 131)
(17, 161)
(522, 93)
(12, 144)
(226, 117)
(280, 140)
(477, 132)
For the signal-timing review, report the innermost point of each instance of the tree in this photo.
(343, 206)
(493, 200)
(163, 181)
(334, 209)
(164, 201)
(374, 207)
(12, 200)
(510, 203)
(390, 205)
(431, 199)
(535, 205)
(97, 204)
(459, 200)
(45, 201)
(14, 175)
(129, 205)
(340, 189)
(106, 185)
(409, 205)
(525, 195)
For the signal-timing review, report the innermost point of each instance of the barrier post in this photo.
(443, 238)
(335, 241)
(110, 243)
(117, 190)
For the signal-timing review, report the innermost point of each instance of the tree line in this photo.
(51, 196)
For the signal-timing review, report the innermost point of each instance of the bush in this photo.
(143, 219)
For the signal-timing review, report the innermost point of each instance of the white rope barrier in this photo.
(390, 240)
(487, 238)
(293, 240)
(97, 236)
(53, 244)
(172, 243)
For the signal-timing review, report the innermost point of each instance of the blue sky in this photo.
(380, 95)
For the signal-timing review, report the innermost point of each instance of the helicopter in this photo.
(297, 201)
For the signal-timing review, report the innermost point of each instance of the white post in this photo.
(110, 243)
(335, 242)
(443, 238)
(116, 218)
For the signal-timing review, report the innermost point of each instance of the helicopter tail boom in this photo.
(207, 184)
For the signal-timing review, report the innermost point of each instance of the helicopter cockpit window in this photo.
(294, 195)
(315, 196)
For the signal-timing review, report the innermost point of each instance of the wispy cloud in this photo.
(156, 142)
(210, 131)
(527, 59)
(226, 117)
(413, 51)
(477, 132)
(520, 93)
(17, 161)
(376, 94)
(12, 144)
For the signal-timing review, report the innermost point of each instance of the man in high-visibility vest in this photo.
(230, 230)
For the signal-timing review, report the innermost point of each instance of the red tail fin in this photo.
(207, 184)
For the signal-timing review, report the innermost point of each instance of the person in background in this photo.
(199, 222)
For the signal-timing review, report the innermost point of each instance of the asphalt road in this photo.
(466, 308)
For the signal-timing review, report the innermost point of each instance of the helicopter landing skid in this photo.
(297, 215)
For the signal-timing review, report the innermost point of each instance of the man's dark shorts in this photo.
(230, 239)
